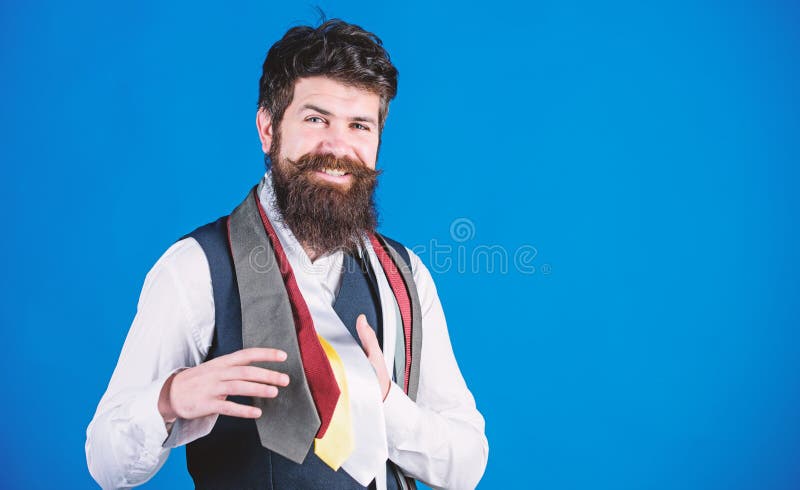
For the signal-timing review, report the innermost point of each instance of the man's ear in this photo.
(264, 125)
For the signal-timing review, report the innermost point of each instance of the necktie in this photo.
(337, 444)
(401, 296)
(321, 380)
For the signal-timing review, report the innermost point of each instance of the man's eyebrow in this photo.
(315, 109)
(324, 112)
(364, 119)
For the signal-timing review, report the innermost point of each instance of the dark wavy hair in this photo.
(344, 52)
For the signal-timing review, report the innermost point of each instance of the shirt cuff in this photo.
(185, 431)
(145, 424)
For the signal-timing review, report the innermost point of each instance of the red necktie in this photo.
(401, 295)
(321, 381)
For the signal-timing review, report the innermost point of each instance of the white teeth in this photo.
(329, 171)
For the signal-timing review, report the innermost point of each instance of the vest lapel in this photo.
(289, 422)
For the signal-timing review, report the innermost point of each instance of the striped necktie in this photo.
(401, 296)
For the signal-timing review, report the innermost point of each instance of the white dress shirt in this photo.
(439, 439)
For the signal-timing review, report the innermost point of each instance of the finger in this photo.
(255, 374)
(250, 355)
(231, 409)
(247, 388)
(374, 354)
(368, 339)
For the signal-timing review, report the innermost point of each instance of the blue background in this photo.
(648, 153)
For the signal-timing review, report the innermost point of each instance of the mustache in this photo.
(317, 162)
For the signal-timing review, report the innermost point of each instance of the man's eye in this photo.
(360, 126)
(315, 119)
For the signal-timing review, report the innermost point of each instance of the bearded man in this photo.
(289, 345)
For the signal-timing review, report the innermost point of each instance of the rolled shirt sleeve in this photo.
(127, 440)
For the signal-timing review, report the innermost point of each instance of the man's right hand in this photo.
(202, 390)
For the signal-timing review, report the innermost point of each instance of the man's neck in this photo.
(312, 254)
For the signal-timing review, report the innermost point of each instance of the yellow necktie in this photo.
(336, 445)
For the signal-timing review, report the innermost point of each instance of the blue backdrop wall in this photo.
(610, 190)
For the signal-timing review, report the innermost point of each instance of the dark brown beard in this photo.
(325, 216)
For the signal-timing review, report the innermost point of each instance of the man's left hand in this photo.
(373, 350)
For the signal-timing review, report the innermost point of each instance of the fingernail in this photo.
(257, 411)
(272, 391)
(281, 355)
(285, 379)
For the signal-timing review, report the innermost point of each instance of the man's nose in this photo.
(335, 142)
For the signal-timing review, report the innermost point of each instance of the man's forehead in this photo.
(324, 91)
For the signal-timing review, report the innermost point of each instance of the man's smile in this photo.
(335, 176)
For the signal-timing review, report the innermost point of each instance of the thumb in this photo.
(367, 336)
(373, 351)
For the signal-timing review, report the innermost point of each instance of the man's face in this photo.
(323, 161)
(327, 117)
